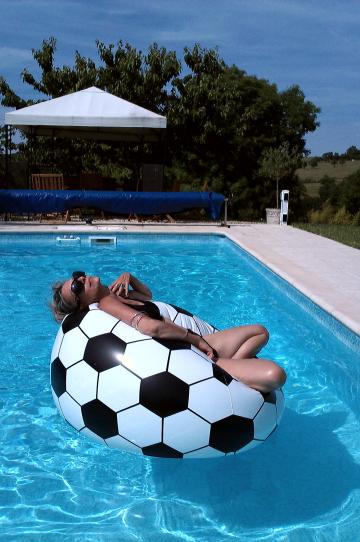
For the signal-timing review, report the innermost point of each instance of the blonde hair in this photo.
(59, 307)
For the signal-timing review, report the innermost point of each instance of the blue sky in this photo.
(312, 43)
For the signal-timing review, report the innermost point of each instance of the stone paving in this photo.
(324, 270)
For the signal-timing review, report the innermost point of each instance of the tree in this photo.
(123, 71)
(352, 153)
(220, 120)
(299, 116)
(349, 195)
(328, 190)
(278, 163)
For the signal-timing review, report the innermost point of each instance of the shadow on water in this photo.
(303, 472)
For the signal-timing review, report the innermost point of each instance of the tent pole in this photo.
(140, 181)
(10, 151)
(163, 142)
(6, 163)
(31, 148)
(52, 151)
(6, 155)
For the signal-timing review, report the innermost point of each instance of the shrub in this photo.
(322, 216)
(342, 216)
(356, 219)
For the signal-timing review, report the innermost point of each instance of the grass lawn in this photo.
(348, 235)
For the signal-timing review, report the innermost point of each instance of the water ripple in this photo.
(302, 485)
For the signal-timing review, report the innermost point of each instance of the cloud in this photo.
(188, 36)
(336, 11)
(312, 43)
(12, 55)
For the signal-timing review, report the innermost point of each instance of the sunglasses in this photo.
(77, 287)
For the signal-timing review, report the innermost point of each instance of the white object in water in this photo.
(157, 397)
(68, 240)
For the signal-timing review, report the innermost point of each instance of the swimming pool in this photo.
(303, 484)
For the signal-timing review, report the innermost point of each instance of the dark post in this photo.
(30, 154)
(6, 156)
(163, 143)
(52, 151)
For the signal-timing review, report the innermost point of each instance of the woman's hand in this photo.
(120, 286)
(162, 329)
(202, 345)
(129, 286)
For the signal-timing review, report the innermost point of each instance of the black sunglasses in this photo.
(76, 286)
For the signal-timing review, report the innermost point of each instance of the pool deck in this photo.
(325, 271)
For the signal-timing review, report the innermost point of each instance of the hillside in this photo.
(312, 175)
(338, 171)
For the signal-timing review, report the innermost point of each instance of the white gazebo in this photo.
(92, 114)
(98, 115)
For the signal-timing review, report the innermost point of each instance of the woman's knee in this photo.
(261, 330)
(275, 376)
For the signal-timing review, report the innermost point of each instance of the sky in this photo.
(311, 43)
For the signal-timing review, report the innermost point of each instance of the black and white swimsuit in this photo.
(159, 310)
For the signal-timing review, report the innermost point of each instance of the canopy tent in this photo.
(92, 114)
(98, 115)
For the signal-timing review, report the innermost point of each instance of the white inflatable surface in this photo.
(152, 396)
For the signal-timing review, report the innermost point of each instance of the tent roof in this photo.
(90, 113)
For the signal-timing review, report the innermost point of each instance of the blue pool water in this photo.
(303, 484)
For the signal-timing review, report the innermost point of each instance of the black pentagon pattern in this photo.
(164, 394)
(104, 351)
(180, 310)
(172, 344)
(100, 419)
(161, 450)
(221, 375)
(269, 397)
(231, 433)
(73, 320)
(58, 377)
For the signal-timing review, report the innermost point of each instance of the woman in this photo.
(128, 299)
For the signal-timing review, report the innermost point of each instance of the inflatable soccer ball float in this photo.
(157, 397)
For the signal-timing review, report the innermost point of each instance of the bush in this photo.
(322, 216)
(356, 219)
(349, 195)
(342, 216)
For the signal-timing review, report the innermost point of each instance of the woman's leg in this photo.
(241, 342)
(236, 348)
(261, 374)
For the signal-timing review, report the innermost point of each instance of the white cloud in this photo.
(188, 36)
(11, 55)
(336, 11)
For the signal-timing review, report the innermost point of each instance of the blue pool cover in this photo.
(142, 203)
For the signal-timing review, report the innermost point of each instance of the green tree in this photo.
(299, 116)
(278, 163)
(121, 70)
(352, 153)
(349, 195)
(328, 190)
(220, 120)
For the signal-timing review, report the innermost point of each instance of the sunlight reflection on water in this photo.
(303, 484)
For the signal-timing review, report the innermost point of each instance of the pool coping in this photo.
(325, 271)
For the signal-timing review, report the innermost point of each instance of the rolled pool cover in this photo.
(162, 398)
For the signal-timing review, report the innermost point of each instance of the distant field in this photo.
(339, 171)
(312, 175)
(348, 235)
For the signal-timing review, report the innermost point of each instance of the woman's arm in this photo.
(120, 287)
(161, 329)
